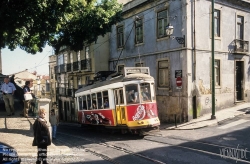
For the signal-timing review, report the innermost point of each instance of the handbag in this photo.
(28, 96)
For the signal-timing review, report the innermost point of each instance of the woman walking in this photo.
(41, 137)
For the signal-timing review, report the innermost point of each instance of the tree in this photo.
(33, 24)
(87, 24)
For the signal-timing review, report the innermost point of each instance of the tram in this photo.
(125, 102)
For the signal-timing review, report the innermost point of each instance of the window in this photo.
(105, 99)
(163, 73)
(120, 68)
(139, 65)
(132, 95)
(84, 103)
(99, 100)
(87, 78)
(80, 103)
(240, 27)
(89, 102)
(94, 104)
(138, 31)
(145, 92)
(162, 22)
(120, 39)
(217, 23)
(217, 72)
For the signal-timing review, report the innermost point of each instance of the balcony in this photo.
(69, 67)
(86, 64)
(62, 68)
(75, 66)
(241, 46)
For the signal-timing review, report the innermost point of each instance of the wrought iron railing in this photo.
(62, 68)
(75, 66)
(86, 64)
(69, 67)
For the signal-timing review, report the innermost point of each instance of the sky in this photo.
(19, 60)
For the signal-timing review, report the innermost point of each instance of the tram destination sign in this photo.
(132, 70)
(178, 73)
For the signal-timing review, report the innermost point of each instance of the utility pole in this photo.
(213, 84)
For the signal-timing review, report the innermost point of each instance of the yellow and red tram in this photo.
(126, 102)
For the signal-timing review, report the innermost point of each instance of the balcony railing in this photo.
(241, 46)
(86, 64)
(69, 67)
(62, 68)
(75, 66)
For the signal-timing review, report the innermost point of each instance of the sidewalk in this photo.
(17, 131)
(205, 120)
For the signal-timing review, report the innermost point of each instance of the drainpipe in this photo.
(213, 85)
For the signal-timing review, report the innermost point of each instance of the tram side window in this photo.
(89, 102)
(153, 91)
(145, 92)
(84, 103)
(94, 104)
(132, 94)
(99, 100)
(105, 99)
(80, 103)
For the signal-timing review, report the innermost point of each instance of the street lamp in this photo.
(170, 31)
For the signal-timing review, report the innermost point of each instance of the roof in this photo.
(120, 78)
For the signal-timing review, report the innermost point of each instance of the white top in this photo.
(8, 88)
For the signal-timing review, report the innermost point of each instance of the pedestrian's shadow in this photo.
(15, 127)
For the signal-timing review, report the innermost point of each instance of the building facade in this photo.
(141, 40)
(74, 70)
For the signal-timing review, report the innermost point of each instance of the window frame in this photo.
(217, 19)
(241, 37)
(139, 26)
(118, 66)
(164, 25)
(120, 36)
(140, 63)
(158, 74)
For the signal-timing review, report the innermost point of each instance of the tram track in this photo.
(207, 148)
(114, 147)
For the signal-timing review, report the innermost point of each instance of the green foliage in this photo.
(87, 23)
(31, 24)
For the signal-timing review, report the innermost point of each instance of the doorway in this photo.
(119, 106)
(239, 75)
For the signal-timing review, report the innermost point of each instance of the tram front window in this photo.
(132, 95)
(145, 92)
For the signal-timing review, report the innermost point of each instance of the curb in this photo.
(217, 122)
